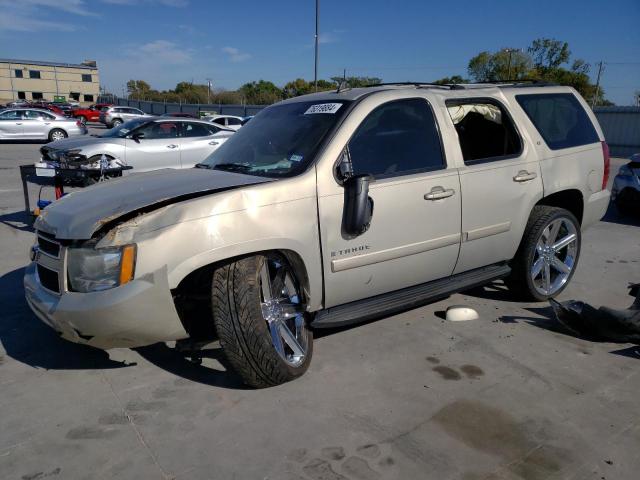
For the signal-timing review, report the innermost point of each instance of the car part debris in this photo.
(604, 323)
(461, 313)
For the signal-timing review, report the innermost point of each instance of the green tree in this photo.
(356, 82)
(505, 64)
(453, 80)
(138, 89)
(261, 92)
(549, 53)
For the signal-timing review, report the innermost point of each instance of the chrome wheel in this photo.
(57, 135)
(554, 257)
(283, 311)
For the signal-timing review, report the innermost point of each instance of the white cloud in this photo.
(166, 3)
(329, 37)
(235, 55)
(161, 51)
(26, 15)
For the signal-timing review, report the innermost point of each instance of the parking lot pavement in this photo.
(508, 396)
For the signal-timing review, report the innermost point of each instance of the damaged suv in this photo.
(325, 210)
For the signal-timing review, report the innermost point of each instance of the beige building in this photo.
(34, 80)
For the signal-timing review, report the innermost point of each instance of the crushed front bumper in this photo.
(139, 313)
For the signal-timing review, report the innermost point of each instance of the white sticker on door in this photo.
(323, 108)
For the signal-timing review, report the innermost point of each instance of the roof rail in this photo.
(516, 83)
(415, 84)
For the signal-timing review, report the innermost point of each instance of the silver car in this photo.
(37, 124)
(116, 116)
(145, 144)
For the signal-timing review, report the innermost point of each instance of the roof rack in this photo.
(516, 83)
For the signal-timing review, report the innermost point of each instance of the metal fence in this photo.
(621, 127)
(160, 108)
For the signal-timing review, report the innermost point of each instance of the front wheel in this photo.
(259, 315)
(116, 123)
(57, 134)
(548, 254)
(83, 119)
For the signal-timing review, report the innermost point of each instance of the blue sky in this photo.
(232, 42)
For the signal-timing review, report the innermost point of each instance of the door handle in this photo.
(524, 176)
(173, 145)
(438, 193)
(20, 123)
(214, 143)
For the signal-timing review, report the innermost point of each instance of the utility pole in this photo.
(595, 95)
(315, 70)
(208, 91)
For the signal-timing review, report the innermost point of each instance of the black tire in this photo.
(116, 123)
(83, 119)
(625, 201)
(520, 281)
(55, 132)
(243, 331)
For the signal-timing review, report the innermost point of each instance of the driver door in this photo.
(414, 235)
(158, 147)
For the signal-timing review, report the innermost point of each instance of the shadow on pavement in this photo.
(630, 352)
(493, 291)
(176, 363)
(26, 339)
(19, 220)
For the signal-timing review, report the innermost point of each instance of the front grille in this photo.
(48, 247)
(48, 279)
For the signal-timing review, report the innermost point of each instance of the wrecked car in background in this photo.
(325, 210)
(144, 144)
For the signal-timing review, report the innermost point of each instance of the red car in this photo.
(91, 114)
(47, 106)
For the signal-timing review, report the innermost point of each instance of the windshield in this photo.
(124, 129)
(280, 141)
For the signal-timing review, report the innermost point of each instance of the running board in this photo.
(406, 299)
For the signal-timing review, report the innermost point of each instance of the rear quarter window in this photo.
(560, 119)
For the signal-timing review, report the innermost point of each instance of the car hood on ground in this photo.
(69, 143)
(79, 215)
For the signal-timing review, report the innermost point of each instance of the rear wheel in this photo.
(625, 201)
(548, 254)
(116, 123)
(82, 119)
(57, 134)
(259, 314)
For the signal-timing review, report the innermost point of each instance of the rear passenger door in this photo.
(198, 141)
(414, 235)
(500, 181)
(158, 149)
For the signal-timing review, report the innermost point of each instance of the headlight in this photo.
(92, 270)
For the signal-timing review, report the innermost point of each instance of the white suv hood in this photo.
(80, 214)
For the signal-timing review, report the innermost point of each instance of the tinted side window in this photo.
(158, 130)
(197, 130)
(485, 130)
(397, 138)
(11, 115)
(560, 119)
(234, 121)
(219, 121)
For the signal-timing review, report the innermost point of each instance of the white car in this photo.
(144, 144)
(226, 121)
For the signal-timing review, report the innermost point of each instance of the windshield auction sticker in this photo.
(323, 108)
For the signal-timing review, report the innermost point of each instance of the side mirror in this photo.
(358, 206)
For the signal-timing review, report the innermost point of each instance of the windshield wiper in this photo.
(232, 167)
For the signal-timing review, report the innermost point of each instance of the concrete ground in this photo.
(509, 396)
